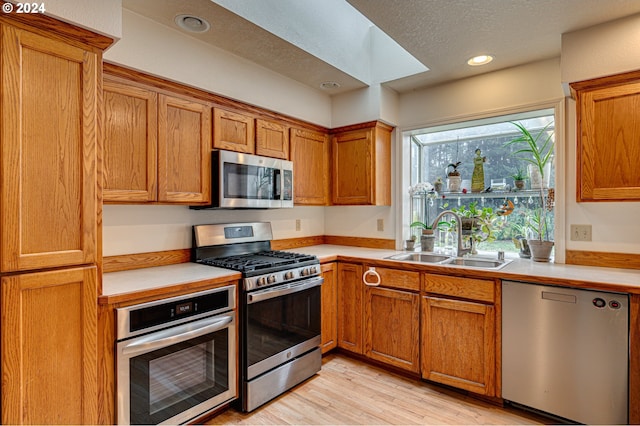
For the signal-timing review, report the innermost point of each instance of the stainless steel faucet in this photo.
(460, 250)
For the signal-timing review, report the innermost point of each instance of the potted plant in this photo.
(427, 239)
(537, 151)
(454, 180)
(411, 243)
(479, 224)
(518, 178)
(437, 185)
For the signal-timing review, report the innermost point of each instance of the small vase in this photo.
(410, 245)
(427, 242)
(437, 186)
(540, 250)
(453, 183)
(519, 184)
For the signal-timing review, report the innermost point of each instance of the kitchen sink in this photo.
(444, 260)
(420, 257)
(477, 263)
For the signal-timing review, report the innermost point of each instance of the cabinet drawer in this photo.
(467, 288)
(396, 278)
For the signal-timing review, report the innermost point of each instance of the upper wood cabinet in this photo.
(233, 131)
(608, 128)
(310, 157)
(131, 135)
(49, 347)
(362, 164)
(184, 150)
(157, 146)
(49, 152)
(272, 139)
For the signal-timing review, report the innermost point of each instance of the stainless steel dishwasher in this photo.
(565, 351)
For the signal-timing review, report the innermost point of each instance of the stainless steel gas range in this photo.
(279, 306)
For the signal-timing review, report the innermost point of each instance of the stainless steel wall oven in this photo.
(176, 358)
(280, 307)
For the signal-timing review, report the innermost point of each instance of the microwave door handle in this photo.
(277, 186)
(174, 335)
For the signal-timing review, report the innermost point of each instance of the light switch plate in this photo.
(380, 225)
(580, 232)
(298, 226)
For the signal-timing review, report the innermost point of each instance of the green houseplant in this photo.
(537, 151)
(427, 239)
(518, 178)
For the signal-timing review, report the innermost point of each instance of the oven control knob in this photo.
(271, 279)
(288, 275)
(304, 272)
(313, 270)
(262, 281)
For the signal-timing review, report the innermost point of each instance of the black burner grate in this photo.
(259, 261)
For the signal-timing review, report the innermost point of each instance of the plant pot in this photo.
(519, 184)
(469, 223)
(453, 183)
(410, 245)
(437, 186)
(525, 252)
(428, 242)
(540, 250)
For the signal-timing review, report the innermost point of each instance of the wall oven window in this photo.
(175, 374)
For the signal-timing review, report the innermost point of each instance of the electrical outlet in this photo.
(580, 232)
(298, 226)
(380, 225)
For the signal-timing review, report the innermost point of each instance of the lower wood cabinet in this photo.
(350, 316)
(49, 347)
(329, 326)
(458, 339)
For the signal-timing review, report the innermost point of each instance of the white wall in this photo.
(606, 49)
(104, 17)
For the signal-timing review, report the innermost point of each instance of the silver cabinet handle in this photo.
(371, 271)
(177, 334)
(284, 289)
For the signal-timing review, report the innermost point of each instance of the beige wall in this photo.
(104, 17)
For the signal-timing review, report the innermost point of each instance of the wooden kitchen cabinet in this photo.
(329, 329)
(459, 336)
(49, 151)
(233, 131)
(350, 313)
(157, 146)
(131, 142)
(49, 347)
(608, 128)
(272, 139)
(310, 157)
(361, 172)
(184, 154)
(392, 319)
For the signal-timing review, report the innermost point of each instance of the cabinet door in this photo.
(350, 293)
(49, 341)
(130, 143)
(48, 153)
(184, 150)
(272, 139)
(329, 308)
(392, 327)
(352, 167)
(233, 131)
(458, 344)
(310, 156)
(608, 148)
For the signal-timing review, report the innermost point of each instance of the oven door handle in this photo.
(283, 290)
(176, 334)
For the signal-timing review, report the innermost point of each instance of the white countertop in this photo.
(140, 280)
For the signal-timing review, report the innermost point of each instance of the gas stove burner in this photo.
(264, 260)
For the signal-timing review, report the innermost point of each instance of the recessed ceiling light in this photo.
(480, 60)
(193, 24)
(328, 85)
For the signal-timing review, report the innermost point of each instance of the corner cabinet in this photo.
(50, 159)
(153, 140)
(310, 157)
(329, 328)
(608, 128)
(459, 333)
(362, 164)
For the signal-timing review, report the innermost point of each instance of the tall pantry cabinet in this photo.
(49, 220)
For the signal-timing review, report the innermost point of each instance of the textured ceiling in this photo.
(442, 34)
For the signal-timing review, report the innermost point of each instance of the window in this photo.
(433, 149)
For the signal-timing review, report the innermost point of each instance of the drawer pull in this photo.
(371, 271)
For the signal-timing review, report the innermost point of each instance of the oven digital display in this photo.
(184, 308)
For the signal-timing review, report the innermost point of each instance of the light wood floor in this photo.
(350, 392)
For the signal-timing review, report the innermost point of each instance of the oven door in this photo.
(281, 323)
(176, 374)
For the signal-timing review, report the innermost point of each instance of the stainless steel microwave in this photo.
(245, 181)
